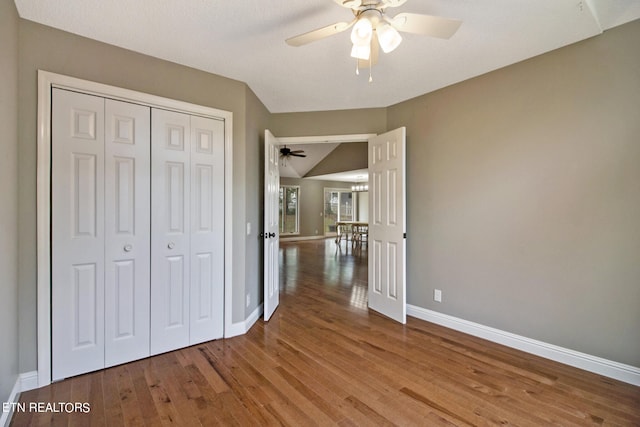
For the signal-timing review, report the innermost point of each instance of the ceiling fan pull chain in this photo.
(370, 66)
(357, 67)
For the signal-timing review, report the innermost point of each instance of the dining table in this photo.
(349, 229)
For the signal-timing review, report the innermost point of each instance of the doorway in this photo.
(386, 262)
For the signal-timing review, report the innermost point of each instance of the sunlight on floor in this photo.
(358, 297)
(289, 261)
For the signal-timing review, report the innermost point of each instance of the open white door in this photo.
(387, 207)
(271, 235)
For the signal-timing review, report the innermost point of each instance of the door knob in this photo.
(127, 248)
(171, 245)
(272, 234)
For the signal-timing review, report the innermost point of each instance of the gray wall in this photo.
(346, 157)
(339, 122)
(312, 203)
(524, 197)
(363, 206)
(524, 194)
(8, 197)
(41, 47)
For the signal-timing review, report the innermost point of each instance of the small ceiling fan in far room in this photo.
(286, 153)
(372, 27)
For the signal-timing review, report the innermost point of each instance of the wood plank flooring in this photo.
(324, 359)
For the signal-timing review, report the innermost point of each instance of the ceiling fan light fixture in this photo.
(388, 37)
(362, 32)
(371, 22)
(361, 52)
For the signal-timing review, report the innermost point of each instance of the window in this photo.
(289, 209)
(338, 206)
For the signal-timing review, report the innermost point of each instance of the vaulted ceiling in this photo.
(244, 40)
(297, 167)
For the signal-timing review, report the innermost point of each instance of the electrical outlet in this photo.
(248, 300)
(437, 295)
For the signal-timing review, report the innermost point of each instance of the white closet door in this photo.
(77, 245)
(207, 229)
(170, 226)
(127, 231)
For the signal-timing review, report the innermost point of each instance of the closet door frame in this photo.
(46, 82)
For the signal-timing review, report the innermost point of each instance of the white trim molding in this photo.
(608, 368)
(47, 81)
(243, 327)
(24, 382)
(28, 381)
(325, 139)
(5, 417)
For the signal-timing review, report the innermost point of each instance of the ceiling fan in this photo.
(372, 27)
(287, 152)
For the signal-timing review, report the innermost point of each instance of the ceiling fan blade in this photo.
(297, 151)
(319, 34)
(427, 25)
(393, 3)
(298, 155)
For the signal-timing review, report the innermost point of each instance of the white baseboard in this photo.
(24, 382)
(241, 328)
(29, 381)
(5, 417)
(619, 371)
(296, 239)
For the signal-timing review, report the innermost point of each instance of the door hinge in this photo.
(405, 235)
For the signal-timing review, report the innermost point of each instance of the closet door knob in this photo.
(171, 245)
(127, 248)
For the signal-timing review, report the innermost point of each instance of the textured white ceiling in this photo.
(244, 40)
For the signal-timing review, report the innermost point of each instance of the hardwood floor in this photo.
(324, 359)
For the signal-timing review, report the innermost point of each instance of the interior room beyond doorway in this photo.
(322, 183)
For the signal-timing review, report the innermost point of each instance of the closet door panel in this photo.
(77, 240)
(170, 227)
(207, 229)
(127, 230)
